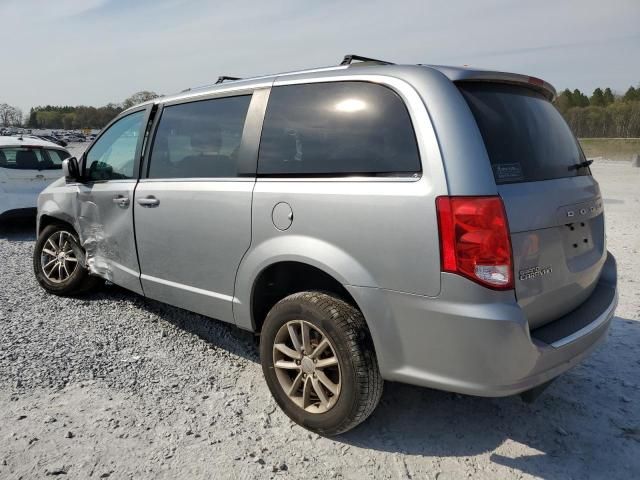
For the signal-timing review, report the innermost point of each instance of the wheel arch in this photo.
(310, 263)
(47, 219)
(283, 278)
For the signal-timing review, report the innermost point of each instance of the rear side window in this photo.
(23, 158)
(199, 139)
(526, 137)
(337, 128)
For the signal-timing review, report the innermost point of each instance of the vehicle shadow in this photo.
(215, 332)
(579, 426)
(22, 229)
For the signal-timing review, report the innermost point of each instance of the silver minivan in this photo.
(431, 225)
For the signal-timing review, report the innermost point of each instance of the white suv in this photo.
(27, 166)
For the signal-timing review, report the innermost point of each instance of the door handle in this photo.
(149, 201)
(40, 176)
(121, 201)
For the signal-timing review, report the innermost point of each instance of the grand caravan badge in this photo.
(534, 272)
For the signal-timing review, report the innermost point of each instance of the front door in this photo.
(193, 211)
(105, 201)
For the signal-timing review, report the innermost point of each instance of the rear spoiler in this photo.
(472, 75)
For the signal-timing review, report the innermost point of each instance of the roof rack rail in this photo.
(348, 60)
(224, 78)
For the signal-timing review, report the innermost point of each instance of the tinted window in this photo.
(526, 137)
(199, 139)
(56, 157)
(112, 157)
(23, 158)
(337, 128)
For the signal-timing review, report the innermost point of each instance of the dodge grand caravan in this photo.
(431, 225)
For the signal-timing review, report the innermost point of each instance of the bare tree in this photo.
(16, 117)
(10, 116)
(5, 114)
(139, 97)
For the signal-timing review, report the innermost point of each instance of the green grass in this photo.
(611, 148)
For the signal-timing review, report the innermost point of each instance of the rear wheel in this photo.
(319, 363)
(58, 262)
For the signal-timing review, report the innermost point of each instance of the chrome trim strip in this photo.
(372, 178)
(198, 179)
(608, 313)
(181, 286)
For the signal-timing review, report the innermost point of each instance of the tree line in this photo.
(603, 114)
(68, 117)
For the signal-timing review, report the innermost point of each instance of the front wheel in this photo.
(319, 362)
(58, 262)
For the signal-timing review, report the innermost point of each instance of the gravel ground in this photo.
(113, 385)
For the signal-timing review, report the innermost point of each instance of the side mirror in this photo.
(71, 170)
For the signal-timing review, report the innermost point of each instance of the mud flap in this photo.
(530, 396)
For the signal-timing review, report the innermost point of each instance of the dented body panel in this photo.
(107, 234)
(105, 230)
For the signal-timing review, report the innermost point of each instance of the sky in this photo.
(92, 52)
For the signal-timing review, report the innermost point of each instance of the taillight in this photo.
(474, 240)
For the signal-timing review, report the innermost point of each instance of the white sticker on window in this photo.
(508, 171)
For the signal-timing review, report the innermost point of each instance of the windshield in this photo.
(526, 137)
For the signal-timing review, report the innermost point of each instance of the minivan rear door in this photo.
(553, 204)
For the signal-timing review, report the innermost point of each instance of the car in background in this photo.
(51, 138)
(27, 166)
(47, 138)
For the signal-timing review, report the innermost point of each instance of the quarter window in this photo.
(199, 139)
(112, 157)
(337, 128)
(55, 158)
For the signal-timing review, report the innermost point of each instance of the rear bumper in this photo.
(478, 342)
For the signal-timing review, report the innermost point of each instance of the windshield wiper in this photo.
(577, 166)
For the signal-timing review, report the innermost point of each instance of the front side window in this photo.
(337, 128)
(22, 158)
(112, 157)
(199, 139)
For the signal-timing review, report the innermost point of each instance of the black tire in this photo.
(79, 281)
(345, 327)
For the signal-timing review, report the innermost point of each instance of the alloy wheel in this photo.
(58, 258)
(307, 366)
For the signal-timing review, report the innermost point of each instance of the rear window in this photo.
(526, 137)
(337, 128)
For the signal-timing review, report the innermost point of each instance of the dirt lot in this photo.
(113, 385)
